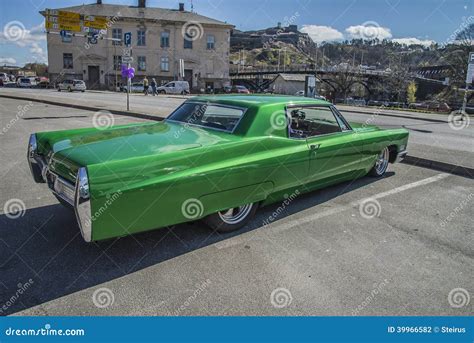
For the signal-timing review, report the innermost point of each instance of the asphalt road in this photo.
(323, 255)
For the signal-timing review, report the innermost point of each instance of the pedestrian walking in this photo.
(153, 86)
(145, 86)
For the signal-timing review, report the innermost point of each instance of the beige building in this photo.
(158, 45)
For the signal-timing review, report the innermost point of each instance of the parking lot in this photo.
(324, 254)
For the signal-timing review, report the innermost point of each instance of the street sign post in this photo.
(127, 39)
(469, 77)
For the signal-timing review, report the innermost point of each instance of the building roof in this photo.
(293, 77)
(149, 13)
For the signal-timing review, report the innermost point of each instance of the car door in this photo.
(334, 150)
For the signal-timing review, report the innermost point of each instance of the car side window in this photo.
(312, 121)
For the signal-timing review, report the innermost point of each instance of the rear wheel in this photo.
(162, 92)
(69, 89)
(381, 163)
(231, 219)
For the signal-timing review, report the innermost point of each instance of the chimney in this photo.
(142, 3)
(99, 2)
(181, 6)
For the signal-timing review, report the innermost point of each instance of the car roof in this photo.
(252, 100)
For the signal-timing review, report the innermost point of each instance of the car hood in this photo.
(83, 148)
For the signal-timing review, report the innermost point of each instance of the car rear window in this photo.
(213, 116)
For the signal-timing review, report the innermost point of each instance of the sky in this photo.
(22, 37)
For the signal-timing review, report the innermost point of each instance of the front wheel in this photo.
(381, 163)
(231, 219)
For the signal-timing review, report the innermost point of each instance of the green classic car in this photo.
(215, 158)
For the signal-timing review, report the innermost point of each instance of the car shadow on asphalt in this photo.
(44, 249)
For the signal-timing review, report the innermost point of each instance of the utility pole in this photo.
(279, 53)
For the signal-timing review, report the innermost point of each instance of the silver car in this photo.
(72, 85)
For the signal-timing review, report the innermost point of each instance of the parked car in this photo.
(24, 82)
(72, 85)
(4, 77)
(174, 87)
(432, 105)
(299, 93)
(377, 103)
(239, 153)
(240, 89)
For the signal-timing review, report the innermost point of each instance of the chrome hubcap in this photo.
(236, 214)
(382, 162)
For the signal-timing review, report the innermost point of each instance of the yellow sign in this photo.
(95, 22)
(69, 15)
(55, 23)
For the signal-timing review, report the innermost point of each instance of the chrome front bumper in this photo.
(401, 156)
(72, 194)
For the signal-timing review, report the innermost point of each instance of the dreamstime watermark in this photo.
(192, 208)
(370, 30)
(103, 32)
(103, 120)
(14, 31)
(22, 288)
(466, 22)
(200, 288)
(275, 214)
(279, 120)
(110, 199)
(103, 297)
(370, 208)
(192, 30)
(376, 290)
(196, 115)
(458, 121)
(458, 209)
(14, 208)
(281, 297)
(369, 121)
(21, 111)
(287, 21)
(47, 330)
(459, 297)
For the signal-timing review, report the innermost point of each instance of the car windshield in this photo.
(214, 116)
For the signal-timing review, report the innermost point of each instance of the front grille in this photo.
(61, 187)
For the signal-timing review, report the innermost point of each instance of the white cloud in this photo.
(34, 39)
(413, 41)
(368, 31)
(322, 33)
(7, 60)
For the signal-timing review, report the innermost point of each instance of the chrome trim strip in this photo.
(82, 203)
(401, 156)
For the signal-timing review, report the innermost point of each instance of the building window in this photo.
(117, 34)
(165, 39)
(165, 64)
(188, 41)
(67, 61)
(211, 42)
(141, 41)
(67, 38)
(141, 63)
(117, 62)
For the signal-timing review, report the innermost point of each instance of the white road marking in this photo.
(290, 222)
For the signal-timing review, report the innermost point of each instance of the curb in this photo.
(86, 108)
(440, 166)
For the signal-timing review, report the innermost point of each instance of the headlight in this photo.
(83, 204)
(35, 162)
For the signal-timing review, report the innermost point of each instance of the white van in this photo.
(174, 87)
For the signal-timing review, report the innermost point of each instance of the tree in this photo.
(411, 91)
